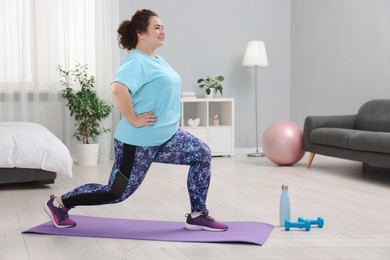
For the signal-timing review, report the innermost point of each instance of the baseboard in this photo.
(246, 150)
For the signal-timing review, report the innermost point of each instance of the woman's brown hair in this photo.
(128, 29)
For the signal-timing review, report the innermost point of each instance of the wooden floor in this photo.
(355, 206)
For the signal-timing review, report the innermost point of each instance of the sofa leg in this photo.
(364, 167)
(311, 158)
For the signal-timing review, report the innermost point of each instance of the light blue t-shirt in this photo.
(154, 87)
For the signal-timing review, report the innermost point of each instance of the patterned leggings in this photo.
(132, 163)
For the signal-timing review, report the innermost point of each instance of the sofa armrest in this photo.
(313, 122)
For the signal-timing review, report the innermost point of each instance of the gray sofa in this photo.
(363, 137)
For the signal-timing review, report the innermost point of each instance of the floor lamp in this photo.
(255, 56)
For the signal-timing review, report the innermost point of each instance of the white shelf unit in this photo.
(220, 138)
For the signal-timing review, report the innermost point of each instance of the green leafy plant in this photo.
(84, 104)
(210, 83)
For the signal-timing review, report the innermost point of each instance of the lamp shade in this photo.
(255, 54)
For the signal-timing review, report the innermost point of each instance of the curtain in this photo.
(38, 35)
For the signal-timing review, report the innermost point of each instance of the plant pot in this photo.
(87, 154)
(212, 93)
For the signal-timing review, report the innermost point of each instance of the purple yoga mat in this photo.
(238, 232)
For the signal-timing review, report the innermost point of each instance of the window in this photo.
(38, 35)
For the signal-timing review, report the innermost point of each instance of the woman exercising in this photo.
(146, 90)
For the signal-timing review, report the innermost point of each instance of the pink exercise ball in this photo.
(282, 143)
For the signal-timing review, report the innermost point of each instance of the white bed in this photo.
(29, 148)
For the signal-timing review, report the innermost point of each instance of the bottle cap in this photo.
(284, 187)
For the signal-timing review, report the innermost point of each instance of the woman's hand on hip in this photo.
(145, 119)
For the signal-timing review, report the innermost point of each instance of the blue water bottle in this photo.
(284, 206)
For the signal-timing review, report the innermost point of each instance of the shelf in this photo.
(219, 138)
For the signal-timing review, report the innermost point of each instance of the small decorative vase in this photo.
(216, 120)
(212, 93)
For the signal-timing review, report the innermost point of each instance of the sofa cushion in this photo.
(338, 137)
(374, 115)
(357, 140)
(370, 141)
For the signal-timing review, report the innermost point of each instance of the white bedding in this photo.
(31, 145)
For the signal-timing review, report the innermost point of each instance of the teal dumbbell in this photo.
(319, 221)
(306, 224)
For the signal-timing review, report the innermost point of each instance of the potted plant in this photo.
(86, 108)
(211, 85)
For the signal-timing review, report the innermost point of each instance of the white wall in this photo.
(340, 55)
(209, 38)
